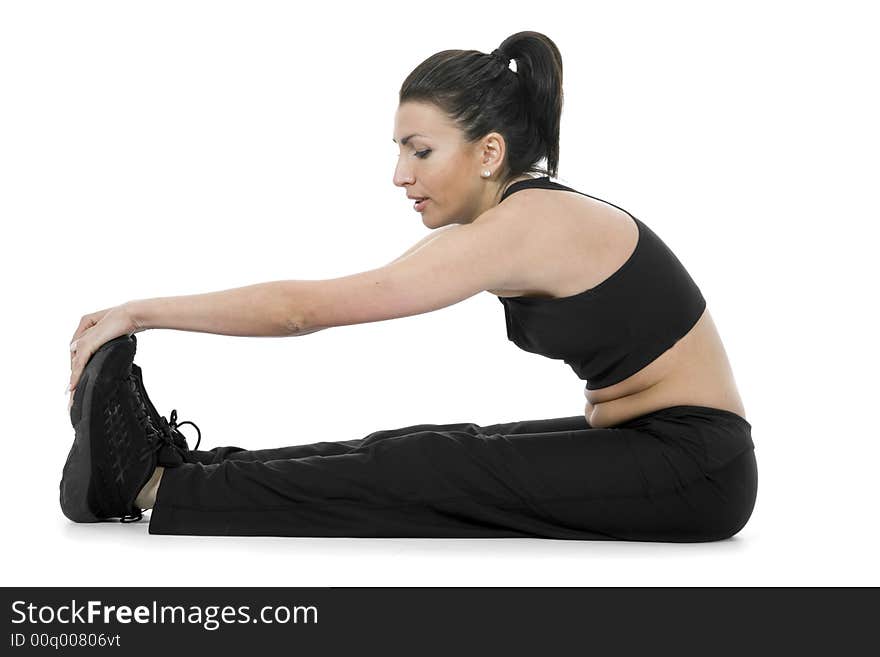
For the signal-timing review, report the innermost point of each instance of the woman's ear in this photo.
(492, 149)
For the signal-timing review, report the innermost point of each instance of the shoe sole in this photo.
(101, 376)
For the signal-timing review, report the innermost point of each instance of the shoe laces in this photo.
(170, 428)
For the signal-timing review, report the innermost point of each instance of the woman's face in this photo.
(435, 162)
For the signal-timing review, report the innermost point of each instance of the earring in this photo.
(486, 173)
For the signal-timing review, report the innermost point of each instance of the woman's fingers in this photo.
(75, 345)
(88, 320)
(85, 323)
(78, 363)
(112, 324)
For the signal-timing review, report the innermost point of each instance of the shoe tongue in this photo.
(169, 456)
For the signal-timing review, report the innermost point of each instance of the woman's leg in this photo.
(667, 479)
(219, 454)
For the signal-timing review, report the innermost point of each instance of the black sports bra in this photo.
(611, 331)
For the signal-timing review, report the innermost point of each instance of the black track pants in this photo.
(681, 474)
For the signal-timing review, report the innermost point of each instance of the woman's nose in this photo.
(401, 179)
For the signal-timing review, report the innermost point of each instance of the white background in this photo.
(167, 148)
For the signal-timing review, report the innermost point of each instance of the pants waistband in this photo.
(683, 409)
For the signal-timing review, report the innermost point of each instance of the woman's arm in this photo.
(262, 310)
(454, 264)
(425, 240)
(254, 311)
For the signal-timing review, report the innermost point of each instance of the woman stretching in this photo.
(663, 451)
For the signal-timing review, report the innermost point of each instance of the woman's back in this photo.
(583, 245)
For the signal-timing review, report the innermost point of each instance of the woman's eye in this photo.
(423, 154)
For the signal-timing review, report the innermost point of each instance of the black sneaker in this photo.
(116, 448)
(159, 421)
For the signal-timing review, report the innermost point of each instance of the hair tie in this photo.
(500, 56)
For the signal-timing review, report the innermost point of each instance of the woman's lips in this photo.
(418, 206)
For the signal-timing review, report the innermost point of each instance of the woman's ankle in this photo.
(146, 499)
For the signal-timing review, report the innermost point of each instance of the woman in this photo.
(663, 451)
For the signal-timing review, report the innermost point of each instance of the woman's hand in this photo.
(94, 330)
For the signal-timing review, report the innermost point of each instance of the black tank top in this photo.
(616, 328)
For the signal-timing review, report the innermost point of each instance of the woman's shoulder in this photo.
(567, 240)
(559, 214)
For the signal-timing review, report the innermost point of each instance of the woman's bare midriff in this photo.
(695, 371)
